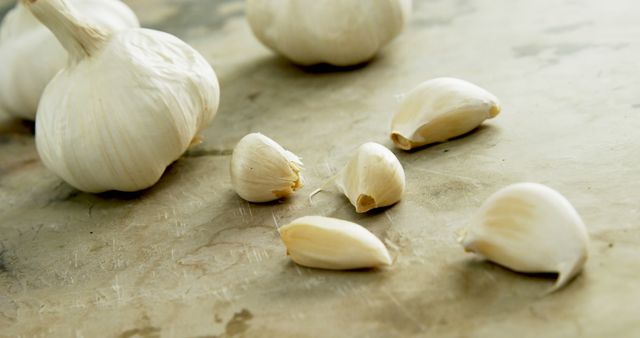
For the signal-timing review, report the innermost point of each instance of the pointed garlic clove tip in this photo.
(439, 110)
(530, 228)
(334, 244)
(372, 178)
(262, 171)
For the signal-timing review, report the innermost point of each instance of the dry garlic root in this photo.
(262, 171)
(128, 103)
(329, 243)
(373, 178)
(441, 109)
(337, 32)
(529, 227)
(28, 47)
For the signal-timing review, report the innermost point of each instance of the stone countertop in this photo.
(188, 258)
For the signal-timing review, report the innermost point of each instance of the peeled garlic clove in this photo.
(263, 171)
(337, 32)
(441, 109)
(529, 227)
(330, 243)
(127, 105)
(28, 47)
(373, 178)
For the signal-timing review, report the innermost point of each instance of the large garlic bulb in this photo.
(30, 55)
(338, 32)
(128, 104)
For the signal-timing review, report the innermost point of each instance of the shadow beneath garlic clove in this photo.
(470, 136)
(485, 136)
(5, 9)
(325, 68)
(13, 125)
(291, 266)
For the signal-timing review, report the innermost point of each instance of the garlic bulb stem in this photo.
(77, 36)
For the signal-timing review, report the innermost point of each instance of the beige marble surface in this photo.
(188, 258)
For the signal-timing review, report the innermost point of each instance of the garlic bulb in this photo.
(337, 32)
(128, 104)
(439, 110)
(372, 178)
(28, 47)
(263, 171)
(330, 243)
(529, 227)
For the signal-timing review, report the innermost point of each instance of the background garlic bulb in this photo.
(373, 178)
(128, 104)
(330, 243)
(263, 171)
(338, 32)
(441, 109)
(30, 55)
(529, 227)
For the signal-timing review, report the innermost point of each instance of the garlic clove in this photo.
(262, 171)
(337, 32)
(441, 109)
(330, 243)
(372, 178)
(23, 42)
(531, 228)
(128, 103)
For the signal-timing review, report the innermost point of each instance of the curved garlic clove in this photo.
(372, 178)
(337, 32)
(24, 41)
(263, 171)
(529, 227)
(330, 243)
(127, 105)
(439, 110)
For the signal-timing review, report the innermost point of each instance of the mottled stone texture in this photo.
(188, 258)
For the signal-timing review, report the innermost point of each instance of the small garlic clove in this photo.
(531, 228)
(441, 109)
(330, 243)
(372, 178)
(262, 171)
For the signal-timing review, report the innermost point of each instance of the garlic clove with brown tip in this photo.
(372, 178)
(262, 171)
(441, 109)
(531, 228)
(330, 243)
(28, 47)
(127, 104)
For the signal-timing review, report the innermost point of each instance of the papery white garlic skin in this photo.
(529, 227)
(31, 55)
(441, 109)
(337, 32)
(372, 178)
(330, 243)
(262, 171)
(128, 104)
